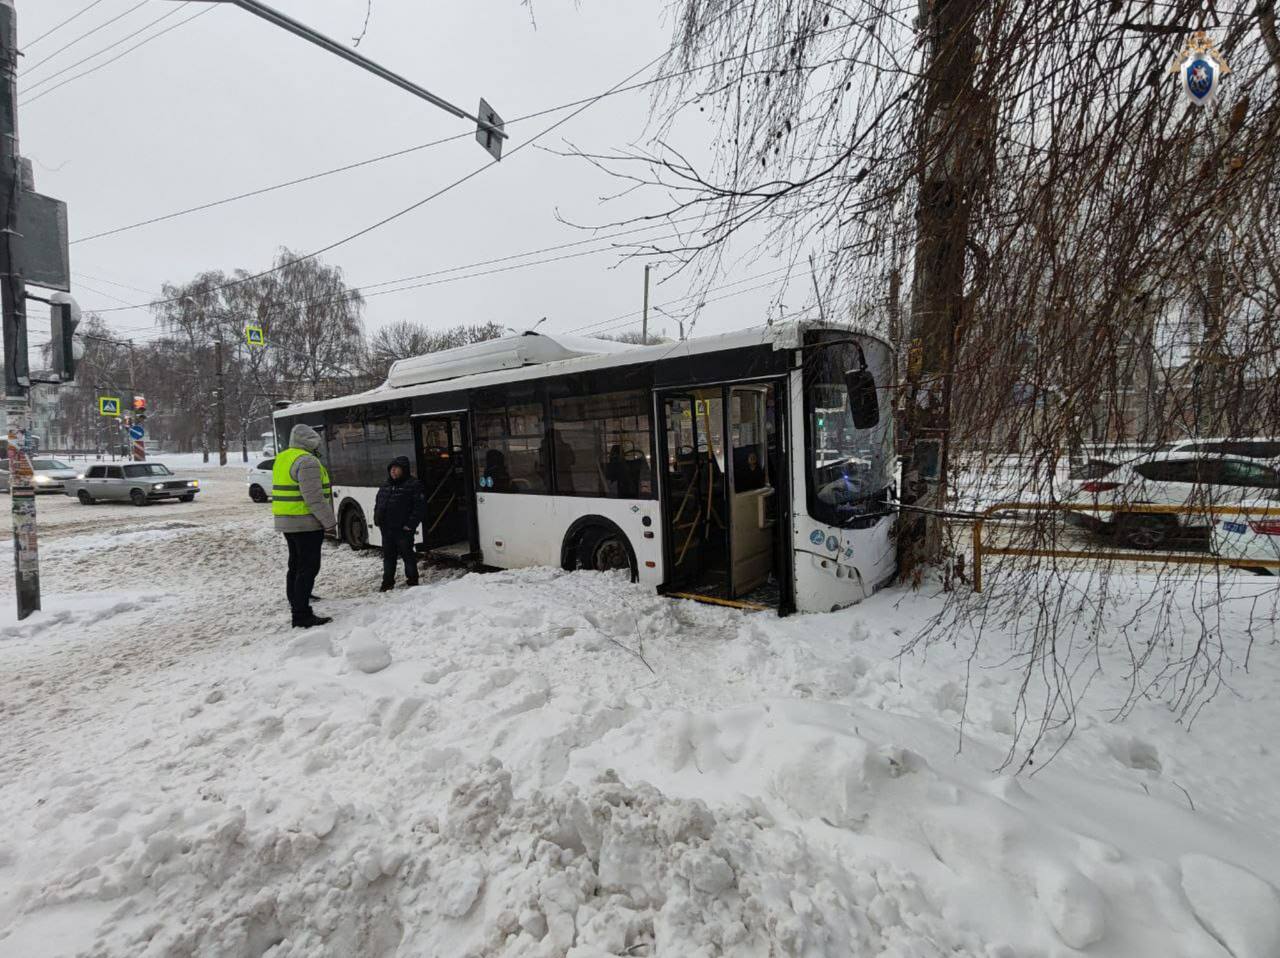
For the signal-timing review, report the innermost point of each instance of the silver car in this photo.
(50, 475)
(47, 475)
(137, 482)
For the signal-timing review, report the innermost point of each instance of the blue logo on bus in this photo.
(816, 537)
(1237, 527)
(833, 544)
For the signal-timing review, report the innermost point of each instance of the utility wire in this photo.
(109, 282)
(418, 204)
(421, 146)
(638, 318)
(468, 267)
(67, 46)
(97, 53)
(118, 56)
(55, 29)
(362, 291)
(605, 323)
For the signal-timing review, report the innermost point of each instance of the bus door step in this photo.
(457, 552)
(716, 600)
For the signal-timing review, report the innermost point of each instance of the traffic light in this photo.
(64, 317)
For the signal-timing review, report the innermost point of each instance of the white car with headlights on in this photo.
(50, 475)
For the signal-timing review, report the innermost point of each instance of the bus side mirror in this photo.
(864, 403)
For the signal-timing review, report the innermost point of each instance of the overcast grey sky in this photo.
(229, 103)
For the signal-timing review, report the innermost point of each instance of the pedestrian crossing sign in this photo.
(254, 336)
(109, 406)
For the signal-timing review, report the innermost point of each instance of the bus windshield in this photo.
(849, 468)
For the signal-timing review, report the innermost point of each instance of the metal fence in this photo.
(981, 549)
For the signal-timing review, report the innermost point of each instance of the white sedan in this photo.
(259, 479)
(1244, 540)
(50, 475)
(1194, 482)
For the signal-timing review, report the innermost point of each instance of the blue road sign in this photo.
(136, 432)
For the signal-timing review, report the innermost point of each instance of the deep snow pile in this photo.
(551, 764)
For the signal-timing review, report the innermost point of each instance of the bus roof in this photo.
(533, 355)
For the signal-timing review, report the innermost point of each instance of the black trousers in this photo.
(304, 566)
(398, 544)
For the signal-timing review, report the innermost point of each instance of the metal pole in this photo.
(644, 328)
(137, 447)
(222, 407)
(17, 380)
(351, 56)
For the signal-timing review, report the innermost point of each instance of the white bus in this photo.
(754, 469)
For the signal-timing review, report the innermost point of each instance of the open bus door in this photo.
(442, 466)
(725, 495)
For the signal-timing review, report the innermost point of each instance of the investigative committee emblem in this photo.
(1200, 69)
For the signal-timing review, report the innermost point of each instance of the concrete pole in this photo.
(13, 292)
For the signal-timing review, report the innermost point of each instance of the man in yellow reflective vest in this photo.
(302, 505)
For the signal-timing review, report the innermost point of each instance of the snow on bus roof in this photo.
(533, 355)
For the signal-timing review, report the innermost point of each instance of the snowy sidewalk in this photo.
(547, 764)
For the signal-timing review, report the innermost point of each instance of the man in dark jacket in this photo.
(400, 508)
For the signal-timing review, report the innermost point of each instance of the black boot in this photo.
(309, 620)
(386, 587)
(411, 583)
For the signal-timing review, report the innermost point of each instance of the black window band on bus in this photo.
(360, 441)
(602, 445)
(510, 440)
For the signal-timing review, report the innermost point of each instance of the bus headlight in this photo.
(158, 485)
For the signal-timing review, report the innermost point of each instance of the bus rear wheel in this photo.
(355, 531)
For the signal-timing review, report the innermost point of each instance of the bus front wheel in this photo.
(603, 549)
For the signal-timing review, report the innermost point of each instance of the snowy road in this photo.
(143, 590)
(549, 764)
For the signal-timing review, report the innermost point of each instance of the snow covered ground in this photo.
(539, 763)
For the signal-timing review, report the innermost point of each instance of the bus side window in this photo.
(602, 445)
(510, 447)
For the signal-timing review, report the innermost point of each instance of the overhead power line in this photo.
(109, 282)
(121, 55)
(72, 43)
(55, 29)
(97, 53)
(466, 271)
(418, 204)
(605, 325)
(622, 320)
(348, 167)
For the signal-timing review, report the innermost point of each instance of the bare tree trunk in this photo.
(950, 131)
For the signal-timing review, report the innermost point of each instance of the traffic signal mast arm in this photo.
(490, 125)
